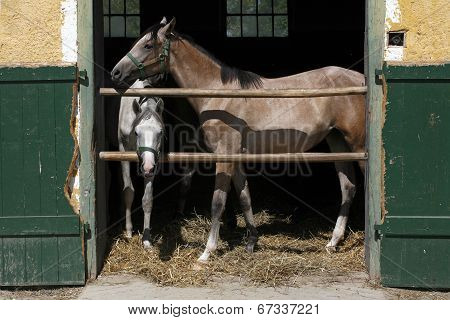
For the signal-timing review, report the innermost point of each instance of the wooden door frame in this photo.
(374, 48)
(92, 137)
(86, 97)
(374, 56)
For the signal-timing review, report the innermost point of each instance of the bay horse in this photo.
(253, 125)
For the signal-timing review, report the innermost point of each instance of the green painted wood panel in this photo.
(40, 236)
(415, 262)
(40, 226)
(47, 151)
(415, 243)
(2, 256)
(31, 162)
(416, 226)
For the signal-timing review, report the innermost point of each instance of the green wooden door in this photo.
(41, 238)
(415, 235)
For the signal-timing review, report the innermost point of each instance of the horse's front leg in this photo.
(147, 204)
(224, 172)
(243, 193)
(128, 194)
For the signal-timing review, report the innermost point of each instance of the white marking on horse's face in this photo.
(148, 163)
(149, 134)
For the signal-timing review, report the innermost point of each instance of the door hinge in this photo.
(379, 76)
(378, 231)
(83, 78)
(87, 231)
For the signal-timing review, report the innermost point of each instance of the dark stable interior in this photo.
(321, 33)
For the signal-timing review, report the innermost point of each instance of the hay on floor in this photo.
(285, 251)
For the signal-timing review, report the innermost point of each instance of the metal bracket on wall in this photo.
(83, 78)
(379, 76)
(378, 231)
(87, 231)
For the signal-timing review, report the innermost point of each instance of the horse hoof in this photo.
(250, 247)
(128, 235)
(147, 245)
(330, 248)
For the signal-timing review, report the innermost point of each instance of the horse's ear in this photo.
(166, 30)
(164, 21)
(136, 107)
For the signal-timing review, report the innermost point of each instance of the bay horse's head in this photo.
(147, 59)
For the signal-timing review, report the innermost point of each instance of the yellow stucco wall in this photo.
(427, 23)
(30, 32)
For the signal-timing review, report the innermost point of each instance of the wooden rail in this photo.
(255, 158)
(236, 93)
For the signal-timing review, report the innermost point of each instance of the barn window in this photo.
(121, 18)
(257, 18)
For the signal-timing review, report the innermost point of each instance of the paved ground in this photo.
(122, 286)
(131, 287)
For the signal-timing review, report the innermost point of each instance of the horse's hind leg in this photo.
(185, 186)
(222, 186)
(346, 174)
(243, 193)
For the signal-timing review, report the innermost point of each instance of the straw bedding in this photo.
(285, 251)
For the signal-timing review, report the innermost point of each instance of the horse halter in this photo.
(156, 153)
(162, 59)
(142, 116)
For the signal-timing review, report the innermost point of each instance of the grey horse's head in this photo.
(149, 129)
(147, 59)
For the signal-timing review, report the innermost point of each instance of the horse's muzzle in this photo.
(150, 173)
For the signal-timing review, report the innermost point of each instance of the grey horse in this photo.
(141, 129)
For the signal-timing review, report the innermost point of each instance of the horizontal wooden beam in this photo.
(255, 158)
(236, 93)
(415, 226)
(40, 226)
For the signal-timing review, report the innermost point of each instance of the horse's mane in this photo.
(246, 79)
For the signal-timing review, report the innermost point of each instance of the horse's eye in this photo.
(148, 46)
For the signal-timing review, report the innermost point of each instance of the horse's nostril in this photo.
(116, 74)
